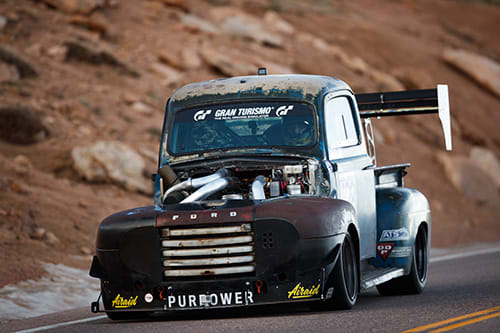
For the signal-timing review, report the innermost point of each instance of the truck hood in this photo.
(252, 155)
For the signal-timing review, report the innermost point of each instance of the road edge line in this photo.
(464, 254)
(48, 327)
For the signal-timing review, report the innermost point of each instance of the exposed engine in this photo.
(239, 183)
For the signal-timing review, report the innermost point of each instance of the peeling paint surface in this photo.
(303, 87)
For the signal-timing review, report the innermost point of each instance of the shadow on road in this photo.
(275, 310)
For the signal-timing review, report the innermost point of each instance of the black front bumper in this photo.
(292, 270)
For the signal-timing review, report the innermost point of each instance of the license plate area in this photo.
(181, 300)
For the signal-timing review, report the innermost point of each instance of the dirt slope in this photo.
(76, 72)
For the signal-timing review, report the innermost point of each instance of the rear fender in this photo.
(400, 212)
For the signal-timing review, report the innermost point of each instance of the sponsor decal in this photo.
(283, 110)
(214, 299)
(249, 110)
(400, 252)
(239, 113)
(394, 235)
(122, 303)
(384, 249)
(243, 113)
(148, 298)
(201, 115)
(301, 292)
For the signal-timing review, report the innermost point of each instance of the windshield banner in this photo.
(254, 110)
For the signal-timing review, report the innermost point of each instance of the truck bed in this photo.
(390, 175)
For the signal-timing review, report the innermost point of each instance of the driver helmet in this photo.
(297, 131)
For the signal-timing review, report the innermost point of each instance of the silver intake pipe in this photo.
(209, 189)
(191, 183)
(258, 188)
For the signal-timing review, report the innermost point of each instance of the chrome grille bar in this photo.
(209, 261)
(201, 242)
(209, 271)
(206, 231)
(207, 251)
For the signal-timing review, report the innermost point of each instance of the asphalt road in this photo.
(462, 295)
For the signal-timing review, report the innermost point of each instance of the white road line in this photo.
(465, 254)
(48, 327)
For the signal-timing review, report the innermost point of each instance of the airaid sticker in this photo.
(122, 303)
(301, 292)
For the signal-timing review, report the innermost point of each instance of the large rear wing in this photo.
(410, 102)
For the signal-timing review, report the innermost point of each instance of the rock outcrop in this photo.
(226, 64)
(239, 23)
(114, 162)
(96, 55)
(481, 69)
(84, 7)
(486, 160)
(470, 179)
(24, 67)
(21, 125)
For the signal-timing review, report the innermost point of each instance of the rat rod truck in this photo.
(267, 191)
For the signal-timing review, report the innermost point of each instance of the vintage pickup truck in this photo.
(267, 191)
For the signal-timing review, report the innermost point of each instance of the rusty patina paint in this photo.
(297, 87)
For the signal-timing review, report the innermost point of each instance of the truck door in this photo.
(354, 178)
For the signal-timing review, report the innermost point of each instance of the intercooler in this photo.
(208, 251)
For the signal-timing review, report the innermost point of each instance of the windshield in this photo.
(242, 125)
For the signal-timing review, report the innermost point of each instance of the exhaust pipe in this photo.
(210, 188)
(258, 188)
(191, 183)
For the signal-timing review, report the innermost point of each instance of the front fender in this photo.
(320, 223)
(312, 217)
(128, 247)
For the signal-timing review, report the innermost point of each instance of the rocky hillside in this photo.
(83, 85)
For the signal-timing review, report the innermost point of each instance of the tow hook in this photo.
(94, 307)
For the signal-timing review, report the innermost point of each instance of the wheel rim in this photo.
(421, 256)
(349, 268)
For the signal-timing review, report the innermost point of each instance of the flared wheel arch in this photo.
(412, 283)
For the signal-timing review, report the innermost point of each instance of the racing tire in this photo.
(413, 283)
(345, 277)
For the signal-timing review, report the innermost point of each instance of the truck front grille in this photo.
(208, 251)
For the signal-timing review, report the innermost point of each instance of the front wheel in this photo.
(414, 282)
(346, 276)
